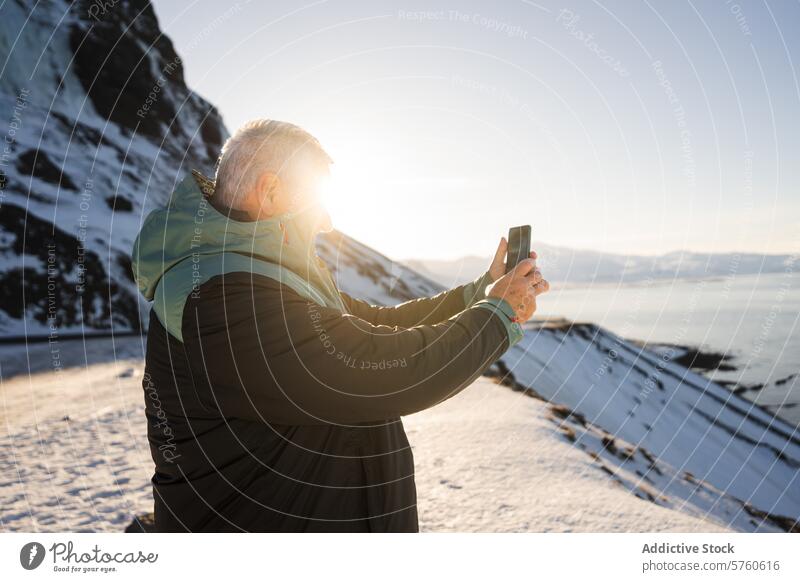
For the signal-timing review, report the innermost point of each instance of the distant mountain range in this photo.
(579, 266)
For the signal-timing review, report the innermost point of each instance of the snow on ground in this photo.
(73, 448)
(489, 459)
(74, 455)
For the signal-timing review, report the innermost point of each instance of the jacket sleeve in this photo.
(425, 311)
(267, 354)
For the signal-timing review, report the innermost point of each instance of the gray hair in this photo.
(261, 145)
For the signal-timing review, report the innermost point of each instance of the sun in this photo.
(381, 192)
(353, 193)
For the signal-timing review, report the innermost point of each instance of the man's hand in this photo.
(520, 287)
(498, 267)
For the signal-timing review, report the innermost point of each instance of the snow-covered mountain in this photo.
(578, 266)
(82, 168)
(98, 124)
(369, 275)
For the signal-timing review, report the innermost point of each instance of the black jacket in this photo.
(276, 414)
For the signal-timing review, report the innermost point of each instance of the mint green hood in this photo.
(191, 228)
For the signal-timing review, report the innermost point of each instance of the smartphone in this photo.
(519, 246)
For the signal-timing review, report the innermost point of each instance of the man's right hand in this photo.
(520, 288)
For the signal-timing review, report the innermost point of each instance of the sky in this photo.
(636, 128)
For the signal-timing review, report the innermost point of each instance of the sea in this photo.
(754, 319)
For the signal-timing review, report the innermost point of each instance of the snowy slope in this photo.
(364, 273)
(661, 426)
(490, 460)
(98, 125)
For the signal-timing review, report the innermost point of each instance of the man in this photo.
(273, 400)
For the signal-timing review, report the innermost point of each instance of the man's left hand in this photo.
(498, 267)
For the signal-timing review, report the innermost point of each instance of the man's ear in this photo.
(267, 195)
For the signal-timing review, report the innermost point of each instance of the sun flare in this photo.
(354, 191)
